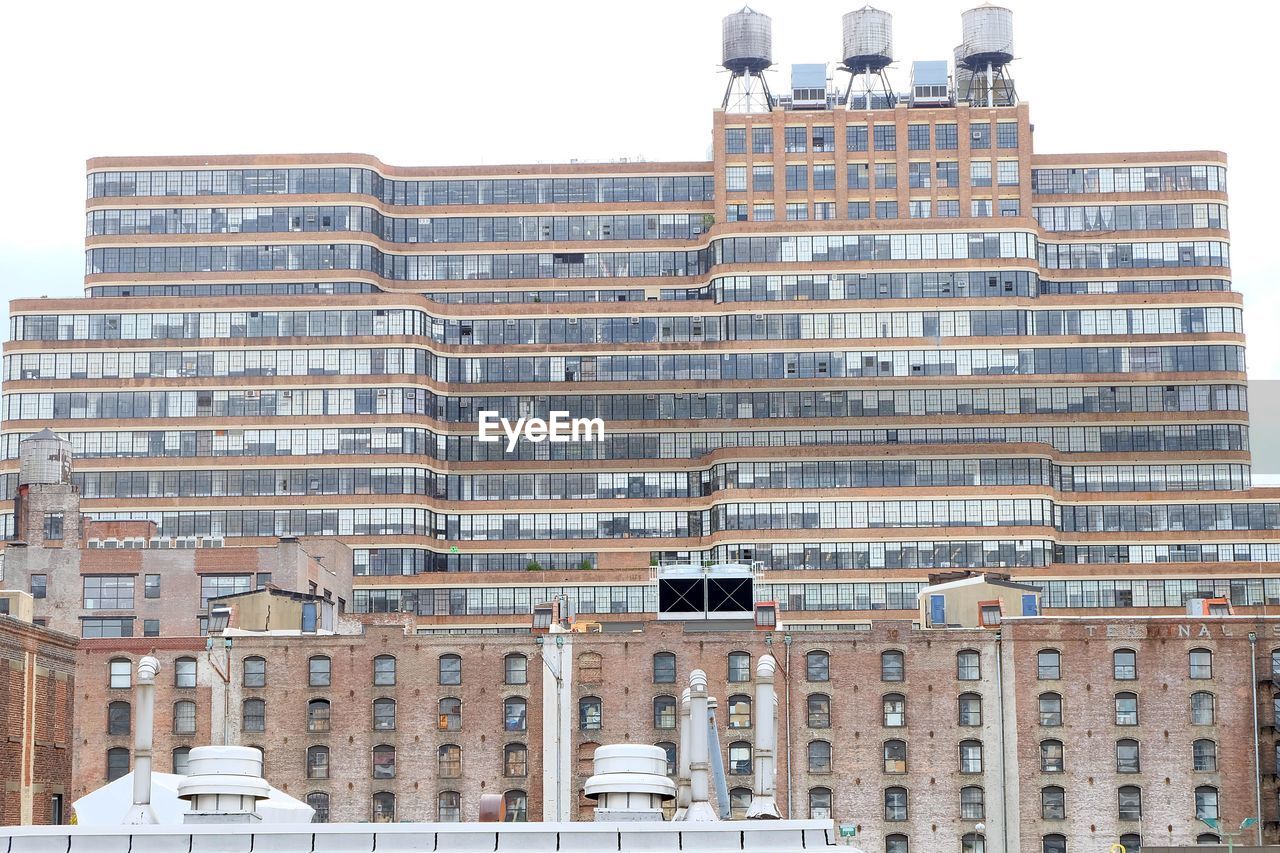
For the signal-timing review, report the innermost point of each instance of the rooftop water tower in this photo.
(868, 51)
(986, 48)
(747, 51)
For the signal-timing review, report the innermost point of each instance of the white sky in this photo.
(430, 83)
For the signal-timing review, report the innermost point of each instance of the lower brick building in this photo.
(1033, 733)
(37, 695)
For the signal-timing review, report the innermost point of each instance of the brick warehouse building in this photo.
(37, 695)
(1079, 731)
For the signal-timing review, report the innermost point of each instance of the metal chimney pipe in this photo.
(716, 753)
(763, 804)
(141, 813)
(700, 809)
(682, 759)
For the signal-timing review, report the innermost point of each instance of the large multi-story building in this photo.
(856, 346)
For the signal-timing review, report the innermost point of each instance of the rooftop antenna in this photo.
(868, 51)
(986, 48)
(747, 51)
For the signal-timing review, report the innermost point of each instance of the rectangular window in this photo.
(918, 175)
(948, 208)
(859, 210)
(980, 207)
(39, 586)
(980, 134)
(824, 139)
(855, 137)
(797, 178)
(151, 627)
(762, 213)
(1007, 173)
(980, 173)
(761, 140)
(151, 586)
(886, 136)
(762, 179)
(824, 177)
(108, 592)
(824, 210)
(797, 212)
(99, 627)
(735, 212)
(944, 137)
(735, 178)
(948, 173)
(1009, 207)
(857, 176)
(917, 137)
(919, 209)
(735, 140)
(886, 210)
(1006, 134)
(886, 176)
(53, 525)
(795, 139)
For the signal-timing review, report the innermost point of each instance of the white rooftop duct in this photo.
(630, 783)
(763, 804)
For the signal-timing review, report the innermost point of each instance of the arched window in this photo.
(384, 807)
(894, 706)
(1208, 838)
(1126, 709)
(587, 757)
(184, 717)
(384, 714)
(740, 711)
(820, 803)
(1204, 756)
(664, 668)
(450, 669)
(117, 763)
(514, 717)
(970, 709)
(1124, 664)
(119, 674)
(895, 756)
(590, 713)
(1129, 798)
(739, 667)
(317, 762)
(972, 803)
(740, 758)
(319, 671)
(973, 842)
(819, 756)
(184, 672)
(1127, 758)
(892, 666)
(319, 801)
(1200, 663)
(968, 665)
(896, 843)
(449, 761)
(819, 711)
(817, 666)
(590, 668)
(119, 717)
(515, 669)
(180, 757)
(670, 749)
(1048, 664)
(384, 761)
(253, 715)
(895, 803)
(1051, 759)
(517, 806)
(318, 715)
(1050, 709)
(1053, 803)
(664, 712)
(1202, 710)
(739, 802)
(1131, 841)
(449, 807)
(450, 715)
(1206, 802)
(515, 760)
(1054, 843)
(255, 672)
(970, 756)
(384, 671)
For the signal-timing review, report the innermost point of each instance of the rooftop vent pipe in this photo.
(700, 809)
(224, 784)
(763, 805)
(141, 813)
(630, 783)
